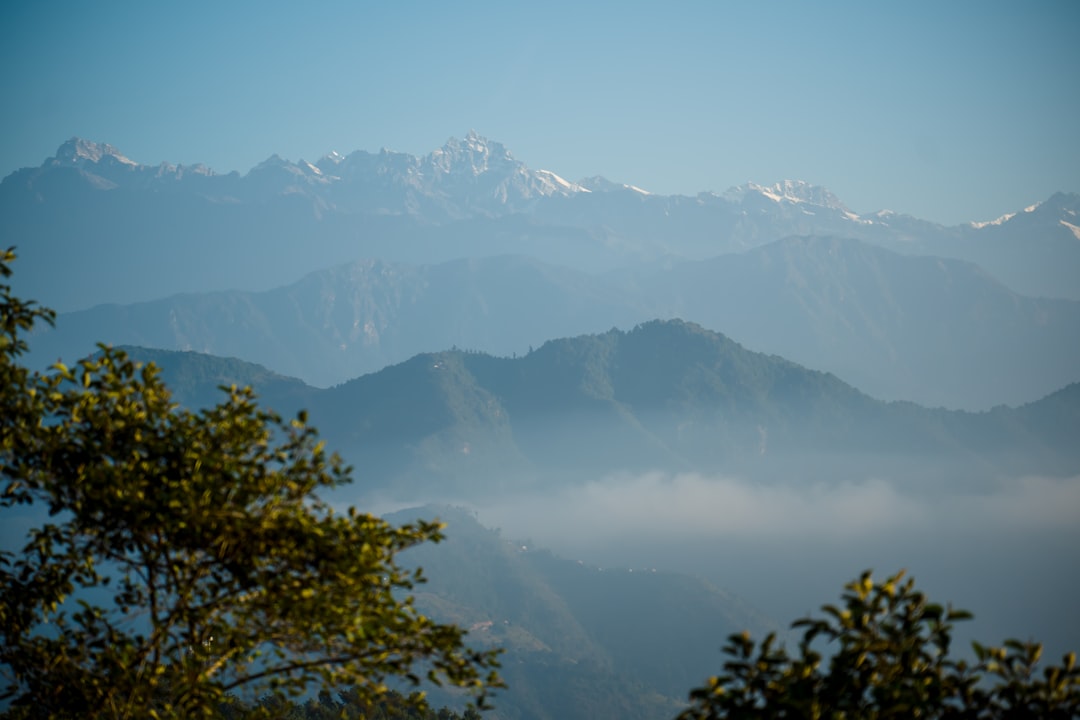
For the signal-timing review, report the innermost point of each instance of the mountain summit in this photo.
(77, 151)
(464, 178)
(791, 191)
(473, 155)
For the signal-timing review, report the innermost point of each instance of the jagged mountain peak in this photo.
(475, 154)
(274, 160)
(1060, 203)
(1060, 209)
(476, 142)
(277, 165)
(77, 151)
(790, 191)
(330, 159)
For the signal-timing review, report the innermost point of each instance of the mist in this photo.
(1007, 551)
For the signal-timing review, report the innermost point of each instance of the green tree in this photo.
(889, 659)
(180, 556)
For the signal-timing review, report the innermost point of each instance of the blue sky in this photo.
(950, 111)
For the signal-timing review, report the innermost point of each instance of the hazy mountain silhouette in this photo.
(664, 396)
(930, 330)
(150, 231)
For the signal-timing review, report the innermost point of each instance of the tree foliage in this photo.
(186, 555)
(355, 706)
(890, 658)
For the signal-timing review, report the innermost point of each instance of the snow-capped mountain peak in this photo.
(557, 183)
(598, 183)
(78, 151)
(473, 155)
(331, 158)
(275, 161)
(788, 191)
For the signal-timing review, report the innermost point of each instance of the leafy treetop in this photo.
(186, 554)
(890, 659)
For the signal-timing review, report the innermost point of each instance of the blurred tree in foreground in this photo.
(176, 557)
(354, 705)
(890, 659)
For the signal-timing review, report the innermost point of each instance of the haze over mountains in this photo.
(478, 251)
(938, 332)
(762, 386)
(671, 446)
(667, 395)
(200, 231)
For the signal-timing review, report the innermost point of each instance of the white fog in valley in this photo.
(1010, 553)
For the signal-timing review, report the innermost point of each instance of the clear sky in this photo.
(951, 111)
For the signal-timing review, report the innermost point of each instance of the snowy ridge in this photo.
(474, 155)
(999, 221)
(558, 182)
(598, 183)
(788, 191)
(474, 176)
(77, 151)
(332, 158)
(1006, 217)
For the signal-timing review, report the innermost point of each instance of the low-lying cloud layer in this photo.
(1007, 551)
(693, 505)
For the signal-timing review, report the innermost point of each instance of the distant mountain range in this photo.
(94, 226)
(935, 331)
(665, 396)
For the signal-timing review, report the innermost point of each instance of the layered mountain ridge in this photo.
(939, 332)
(664, 396)
(92, 207)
